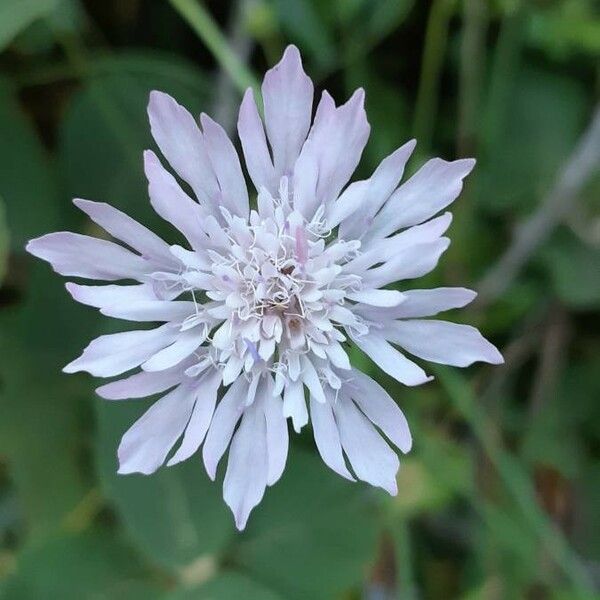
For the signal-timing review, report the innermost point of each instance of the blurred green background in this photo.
(501, 494)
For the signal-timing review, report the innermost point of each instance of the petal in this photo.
(327, 437)
(228, 413)
(116, 353)
(79, 255)
(172, 203)
(146, 444)
(335, 142)
(422, 303)
(180, 140)
(294, 405)
(388, 359)
(379, 188)
(310, 378)
(383, 250)
(443, 342)
(141, 385)
(377, 297)
(277, 433)
(433, 187)
(126, 229)
(151, 310)
(247, 466)
(409, 263)
(254, 145)
(186, 343)
(106, 295)
(380, 409)
(287, 94)
(206, 398)
(337, 355)
(226, 165)
(371, 458)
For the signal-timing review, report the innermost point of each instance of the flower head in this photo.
(257, 309)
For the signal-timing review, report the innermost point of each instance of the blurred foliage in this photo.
(499, 497)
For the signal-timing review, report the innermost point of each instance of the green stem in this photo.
(431, 67)
(201, 21)
(472, 57)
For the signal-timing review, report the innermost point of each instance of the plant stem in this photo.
(431, 66)
(201, 21)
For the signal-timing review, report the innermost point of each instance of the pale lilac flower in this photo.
(258, 307)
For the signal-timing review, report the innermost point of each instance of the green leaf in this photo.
(27, 184)
(105, 129)
(300, 20)
(4, 240)
(573, 268)
(534, 138)
(226, 586)
(16, 15)
(88, 567)
(309, 517)
(175, 515)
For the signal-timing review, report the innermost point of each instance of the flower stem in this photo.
(201, 21)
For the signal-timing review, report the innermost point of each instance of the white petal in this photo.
(327, 438)
(126, 229)
(247, 466)
(433, 187)
(377, 297)
(311, 380)
(206, 398)
(409, 263)
(84, 256)
(254, 144)
(186, 343)
(380, 186)
(337, 355)
(371, 458)
(106, 295)
(380, 409)
(422, 303)
(151, 310)
(288, 95)
(172, 203)
(336, 141)
(228, 413)
(226, 165)
(180, 140)
(443, 342)
(277, 434)
(388, 359)
(140, 385)
(383, 250)
(294, 405)
(116, 353)
(146, 444)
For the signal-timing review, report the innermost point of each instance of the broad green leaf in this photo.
(306, 519)
(105, 129)
(546, 115)
(92, 566)
(175, 515)
(44, 412)
(16, 15)
(300, 21)
(228, 585)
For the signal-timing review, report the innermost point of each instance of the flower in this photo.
(257, 308)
